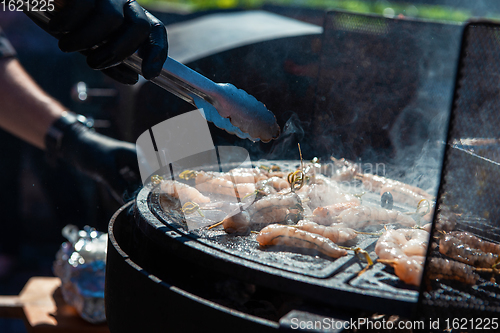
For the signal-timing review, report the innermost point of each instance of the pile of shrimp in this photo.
(306, 210)
(316, 207)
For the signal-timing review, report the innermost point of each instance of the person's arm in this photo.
(32, 115)
(26, 110)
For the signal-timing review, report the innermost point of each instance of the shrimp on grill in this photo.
(182, 191)
(234, 177)
(277, 234)
(270, 209)
(439, 268)
(403, 194)
(405, 250)
(407, 269)
(398, 243)
(476, 242)
(279, 183)
(237, 176)
(226, 187)
(457, 249)
(410, 269)
(326, 215)
(337, 233)
(361, 216)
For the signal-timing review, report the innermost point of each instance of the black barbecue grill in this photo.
(377, 82)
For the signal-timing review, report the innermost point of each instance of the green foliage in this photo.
(432, 12)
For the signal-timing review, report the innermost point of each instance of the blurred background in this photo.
(38, 199)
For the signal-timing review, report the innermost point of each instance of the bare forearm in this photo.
(25, 109)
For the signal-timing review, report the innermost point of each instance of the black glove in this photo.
(108, 31)
(104, 159)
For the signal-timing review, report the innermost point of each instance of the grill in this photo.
(377, 89)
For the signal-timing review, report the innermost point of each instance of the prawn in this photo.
(336, 233)
(376, 183)
(237, 176)
(270, 209)
(226, 187)
(403, 194)
(476, 242)
(362, 216)
(398, 243)
(279, 183)
(407, 269)
(277, 234)
(405, 250)
(326, 215)
(439, 268)
(457, 249)
(183, 192)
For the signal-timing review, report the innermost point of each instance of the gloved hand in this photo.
(110, 161)
(108, 31)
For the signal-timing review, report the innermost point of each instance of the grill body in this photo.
(398, 98)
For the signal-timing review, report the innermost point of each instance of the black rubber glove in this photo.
(108, 31)
(104, 159)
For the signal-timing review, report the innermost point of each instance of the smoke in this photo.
(285, 147)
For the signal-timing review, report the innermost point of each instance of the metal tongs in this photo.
(228, 107)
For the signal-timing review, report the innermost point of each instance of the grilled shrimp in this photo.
(270, 209)
(279, 174)
(260, 207)
(337, 233)
(226, 187)
(256, 171)
(362, 216)
(279, 183)
(399, 243)
(408, 269)
(232, 176)
(326, 215)
(476, 242)
(403, 194)
(182, 191)
(405, 250)
(375, 183)
(439, 268)
(276, 234)
(457, 249)
(238, 223)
